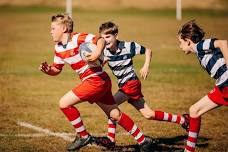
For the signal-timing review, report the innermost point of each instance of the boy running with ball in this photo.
(95, 86)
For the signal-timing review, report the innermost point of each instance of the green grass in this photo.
(176, 79)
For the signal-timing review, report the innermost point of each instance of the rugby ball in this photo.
(86, 48)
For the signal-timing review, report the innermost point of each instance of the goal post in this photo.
(69, 7)
(178, 10)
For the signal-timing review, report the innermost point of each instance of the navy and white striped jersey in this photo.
(120, 62)
(212, 60)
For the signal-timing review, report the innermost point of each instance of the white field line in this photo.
(24, 135)
(46, 132)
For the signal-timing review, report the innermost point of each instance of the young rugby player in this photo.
(213, 57)
(119, 55)
(95, 86)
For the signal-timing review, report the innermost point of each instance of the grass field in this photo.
(176, 80)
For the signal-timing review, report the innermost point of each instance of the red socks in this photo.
(130, 126)
(73, 116)
(164, 116)
(194, 128)
(111, 130)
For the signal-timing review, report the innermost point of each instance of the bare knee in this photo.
(63, 103)
(68, 99)
(115, 114)
(194, 111)
(148, 114)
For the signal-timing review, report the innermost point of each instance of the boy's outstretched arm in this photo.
(48, 69)
(100, 47)
(144, 71)
(222, 44)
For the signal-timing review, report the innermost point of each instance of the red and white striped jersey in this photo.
(69, 54)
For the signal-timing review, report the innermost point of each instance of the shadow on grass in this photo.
(172, 144)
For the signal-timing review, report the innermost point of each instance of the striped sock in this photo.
(73, 116)
(164, 116)
(111, 130)
(194, 128)
(130, 126)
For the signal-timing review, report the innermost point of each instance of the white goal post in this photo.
(69, 7)
(178, 10)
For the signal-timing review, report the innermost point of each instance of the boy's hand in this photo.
(44, 67)
(144, 72)
(91, 57)
(50, 70)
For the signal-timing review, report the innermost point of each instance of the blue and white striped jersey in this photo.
(212, 60)
(120, 62)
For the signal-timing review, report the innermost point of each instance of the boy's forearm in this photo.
(148, 56)
(100, 46)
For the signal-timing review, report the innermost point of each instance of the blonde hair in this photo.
(64, 19)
